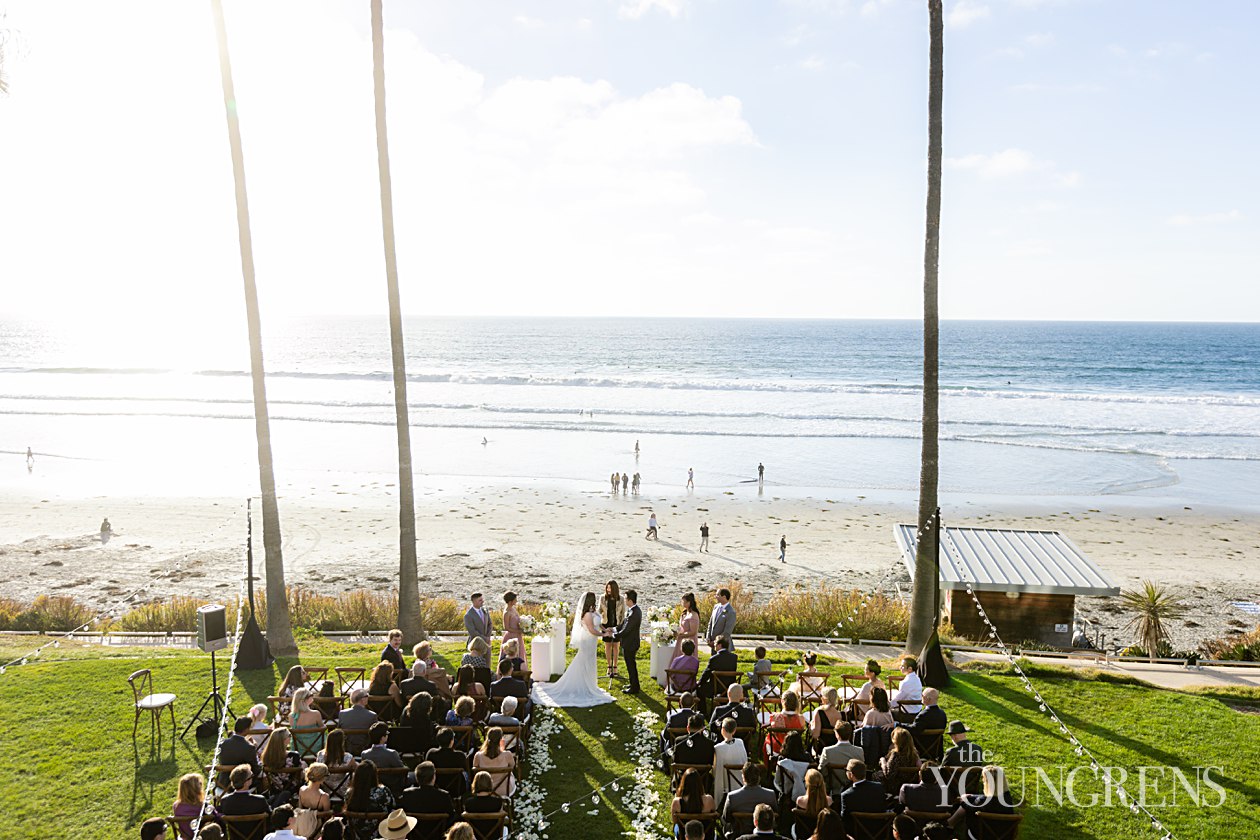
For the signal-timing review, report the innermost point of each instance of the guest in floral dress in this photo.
(512, 627)
(367, 795)
(277, 761)
(688, 625)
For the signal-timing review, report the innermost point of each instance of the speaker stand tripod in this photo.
(213, 698)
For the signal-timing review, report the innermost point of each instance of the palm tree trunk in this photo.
(279, 631)
(924, 603)
(409, 619)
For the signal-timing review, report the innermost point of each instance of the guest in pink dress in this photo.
(512, 627)
(689, 624)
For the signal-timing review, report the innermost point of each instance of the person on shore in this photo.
(691, 479)
(485, 441)
(783, 549)
(634, 484)
(761, 473)
(636, 450)
(107, 531)
(625, 483)
(616, 482)
(704, 537)
(721, 621)
(30, 457)
(652, 532)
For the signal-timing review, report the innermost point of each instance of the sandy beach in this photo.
(548, 541)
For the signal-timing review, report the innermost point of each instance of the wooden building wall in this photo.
(1030, 617)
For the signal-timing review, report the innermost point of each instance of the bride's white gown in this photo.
(577, 686)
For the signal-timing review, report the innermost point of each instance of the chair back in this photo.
(734, 776)
(345, 772)
(487, 826)
(679, 681)
(315, 674)
(708, 820)
(523, 675)
(803, 822)
(350, 678)
(394, 778)
(812, 688)
(705, 771)
(500, 779)
(141, 683)
(740, 823)
(465, 738)
(180, 826)
(900, 776)
(453, 781)
(870, 826)
(747, 734)
(307, 741)
(368, 817)
(384, 706)
(428, 826)
(925, 817)
(722, 680)
(929, 744)
(246, 826)
(875, 742)
(999, 826)
(835, 777)
(356, 740)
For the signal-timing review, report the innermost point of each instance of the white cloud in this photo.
(1008, 52)
(966, 12)
(1187, 220)
(1039, 39)
(1010, 163)
(635, 9)
(527, 22)
(872, 8)
(797, 35)
(812, 63)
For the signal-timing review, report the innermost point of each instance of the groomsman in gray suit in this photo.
(477, 620)
(721, 621)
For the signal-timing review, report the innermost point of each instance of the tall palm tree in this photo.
(924, 601)
(279, 631)
(409, 619)
(1152, 606)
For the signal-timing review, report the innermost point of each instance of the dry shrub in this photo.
(10, 609)
(49, 613)
(177, 613)
(1243, 647)
(815, 611)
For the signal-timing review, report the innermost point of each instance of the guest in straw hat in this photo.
(396, 826)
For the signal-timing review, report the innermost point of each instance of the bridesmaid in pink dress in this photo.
(512, 627)
(688, 625)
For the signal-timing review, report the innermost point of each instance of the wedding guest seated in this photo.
(367, 795)
(936, 831)
(879, 714)
(693, 830)
(789, 717)
(417, 682)
(507, 685)
(862, 700)
(483, 800)
(826, 717)
(277, 761)
(763, 825)
(460, 831)
(462, 714)
(445, 757)
(734, 707)
(466, 684)
(994, 800)
(327, 701)
(242, 801)
(416, 729)
(761, 684)
(153, 828)
(909, 694)
(282, 824)
(793, 763)
(436, 674)
(809, 683)
(305, 717)
(478, 655)
(677, 719)
(259, 729)
(723, 661)
(694, 747)
(312, 796)
(492, 756)
(358, 717)
(685, 661)
(730, 751)
(382, 685)
(690, 797)
(214, 831)
(748, 797)
(902, 756)
(930, 719)
(506, 716)
(964, 753)
(334, 829)
(237, 749)
(190, 802)
(839, 753)
(815, 798)
(383, 757)
(393, 650)
(904, 828)
(293, 680)
(510, 651)
(425, 797)
(334, 754)
(829, 826)
(928, 794)
(864, 796)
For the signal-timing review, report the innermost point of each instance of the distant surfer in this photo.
(636, 449)
(691, 479)
(485, 441)
(30, 458)
(107, 530)
(761, 473)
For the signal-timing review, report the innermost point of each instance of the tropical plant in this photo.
(925, 596)
(409, 618)
(279, 631)
(1152, 606)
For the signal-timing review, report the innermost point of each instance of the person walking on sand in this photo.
(704, 537)
(107, 530)
(652, 532)
(625, 483)
(634, 484)
(636, 449)
(616, 482)
(691, 479)
(783, 549)
(761, 473)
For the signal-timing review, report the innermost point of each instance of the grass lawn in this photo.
(69, 762)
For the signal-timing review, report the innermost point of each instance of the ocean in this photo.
(1161, 413)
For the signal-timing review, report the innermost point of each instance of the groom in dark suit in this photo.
(628, 634)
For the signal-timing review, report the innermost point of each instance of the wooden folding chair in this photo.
(465, 737)
(677, 683)
(248, 826)
(519, 738)
(835, 777)
(766, 702)
(708, 820)
(429, 826)
(453, 780)
(925, 817)
(501, 780)
(487, 826)
(307, 742)
(178, 824)
(871, 826)
(356, 740)
(373, 817)
(524, 675)
(929, 744)
(803, 822)
(722, 680)
(338, 791)
(221, 785)
(705, 770)
(384, 706)
(349, 678)
(739, 824)
(900, 776)
(999, 826)
(315, 674)
(734, 776)
(141, 683)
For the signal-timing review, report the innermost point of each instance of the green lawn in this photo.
(68, 759)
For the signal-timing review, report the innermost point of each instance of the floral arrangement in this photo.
(663, 633)
(528, 623)
(642, 799)
(554, 610)
(660, 615)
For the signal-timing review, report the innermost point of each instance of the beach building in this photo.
(1027, 581)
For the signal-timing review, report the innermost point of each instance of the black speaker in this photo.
(212, 628)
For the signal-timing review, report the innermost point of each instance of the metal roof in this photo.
(1010, 560)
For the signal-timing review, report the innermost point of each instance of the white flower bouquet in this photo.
(528, 623)
(554, 610)
(663, 633)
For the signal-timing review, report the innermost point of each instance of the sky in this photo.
(748, 158)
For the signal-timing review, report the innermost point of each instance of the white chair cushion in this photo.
(155, 701)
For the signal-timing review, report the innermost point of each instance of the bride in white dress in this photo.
(577, 686)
